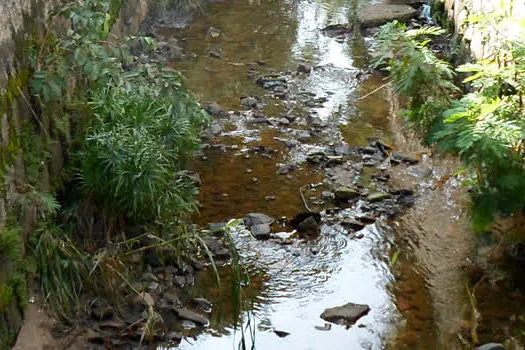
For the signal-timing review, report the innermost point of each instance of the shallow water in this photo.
(290, 285)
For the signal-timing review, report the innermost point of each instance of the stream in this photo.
(229, 45)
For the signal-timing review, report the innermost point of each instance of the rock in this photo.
(169, 51)
(326, 327)
(283, 121)
(203, 303)
(345, 314)
(147, 299)
(251, 102)
(317, 122)
(269, 198)
(491, 346)
(334, 30)
(342, 150)
(352, 224)
(316, 157)
(148, 277)
(94, 337)
(216, 110)
(283, 236)
(309, 225)
(215, 54)
(303, 135)
(189, 315)
(261, 231)
(379, 14)
(419, 171)
(281, 334)
(345, 193)
(257, 120)
(401, 158)
(154, 287)
(304, 68)
(174, 336)
(172, 298)
(214, 32)
(308, 222)
(100, 310)
(217, 227)
(286, 168)
(378, 196)
(257, 218)
(271, 81)
(216, 247)
(327, 195)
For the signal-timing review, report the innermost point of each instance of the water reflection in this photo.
(290, 285)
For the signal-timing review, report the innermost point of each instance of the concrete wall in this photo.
(475, 40)
(19, 21)
(17, 17)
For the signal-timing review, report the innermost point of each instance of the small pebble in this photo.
(269, 198)
(249, 171)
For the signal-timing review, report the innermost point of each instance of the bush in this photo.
(485, 128)
(138, 147)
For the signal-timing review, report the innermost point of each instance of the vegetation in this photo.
(129, 129)
(485, 126)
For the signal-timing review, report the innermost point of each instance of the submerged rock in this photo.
(189, 315)
(379, 14)
(345, 193)
(216, 110)
(345, 314)
(334, 30)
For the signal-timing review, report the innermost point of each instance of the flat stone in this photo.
(345, 193)
(378, 196)
(193, 316)
(303, 135)
(419, 171)
(352, 224)
(379, 14)
(261, 231)
(345, 314)
(257, 218)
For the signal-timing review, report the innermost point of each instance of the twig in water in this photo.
(376, 90)
(304, 199)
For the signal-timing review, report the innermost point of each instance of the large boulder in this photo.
(345, 314)
(379, 14)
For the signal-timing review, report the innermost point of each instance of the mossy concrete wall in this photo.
(19, 21)
(18, 18)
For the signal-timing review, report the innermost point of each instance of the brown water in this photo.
(419, 303)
